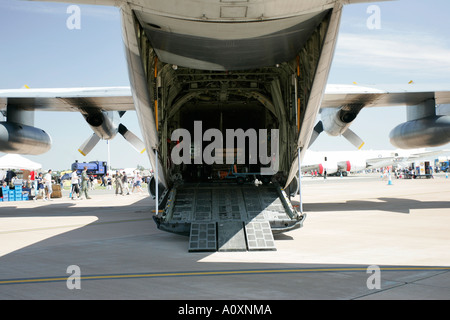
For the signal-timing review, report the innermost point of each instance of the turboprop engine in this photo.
(23, 139)
(106, 126)
(103, 124)
(432, 131)
(18, 134)
(336, 122)
(426, 126)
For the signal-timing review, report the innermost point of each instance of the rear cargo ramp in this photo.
(229, 217)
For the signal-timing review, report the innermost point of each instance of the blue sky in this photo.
(38, 50)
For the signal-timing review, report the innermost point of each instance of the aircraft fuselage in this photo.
(259, 65)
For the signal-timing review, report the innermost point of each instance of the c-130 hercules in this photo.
(249, 64)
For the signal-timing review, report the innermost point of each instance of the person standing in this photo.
(75, 187)
(48, 184)
(84, 183)
(40, 187)
(137, 182)
(118, 183)
(10, 178)
(125, 183)
(33, 183)
(91, 182)
(108, 182)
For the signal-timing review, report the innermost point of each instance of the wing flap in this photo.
(375, 98)
(73, 99)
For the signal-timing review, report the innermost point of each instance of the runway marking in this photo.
(72, 226)
(215, 273)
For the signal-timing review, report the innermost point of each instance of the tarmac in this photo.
(364, 238)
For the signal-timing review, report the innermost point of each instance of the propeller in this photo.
(89, 144)
(318, 129)
(135, 142)
(106, 129)
(353, 138)
(348, 134)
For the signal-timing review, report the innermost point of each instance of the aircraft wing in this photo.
(337, 96)
(417, 156)
(102, 108)
(72, 99)
(427, 154)
(120, 98)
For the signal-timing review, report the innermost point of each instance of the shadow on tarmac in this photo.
(125, 240)
(382, 204)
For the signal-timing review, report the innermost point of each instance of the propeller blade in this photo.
(89, 144)
(318, 129)
(353, 138)
(132, 139)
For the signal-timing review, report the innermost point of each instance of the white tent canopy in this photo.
(15, 161)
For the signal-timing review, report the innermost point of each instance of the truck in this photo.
(422, 169)
(96, 168)
(442, 164)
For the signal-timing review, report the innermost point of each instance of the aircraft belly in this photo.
(228, 46)
(229, 10)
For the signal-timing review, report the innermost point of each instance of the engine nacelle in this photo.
(103, 124)
(345, 166)
(337, 120)
(352, 166)
(23, 139)
(432, 131)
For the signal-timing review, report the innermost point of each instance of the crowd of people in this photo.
(120, 180)
(41, 185)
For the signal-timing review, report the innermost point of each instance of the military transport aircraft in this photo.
(344, 162)
(254, 64)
